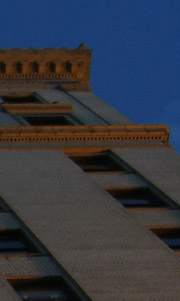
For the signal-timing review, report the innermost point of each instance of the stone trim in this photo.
(74, 134)
(37, 75)
(55, 64)
(37, 108)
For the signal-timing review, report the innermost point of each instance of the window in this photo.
(14, 99)
(137, 198)
(170, 236)
(18, 67)
(98, 162)
(15, 242)
(2, 67)
(44, 289)
(47, 120)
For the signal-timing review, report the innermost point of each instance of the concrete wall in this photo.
(80, 111)
(89, 108)
(102, 109)
(105, 249)
(161, 167)
(8, 120)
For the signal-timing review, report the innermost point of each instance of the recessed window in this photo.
(2, 67)
(44, 289)
(15, 242)
(101, 162)
(20, 99)
(170, 236)
(47, 120)
(137, 198)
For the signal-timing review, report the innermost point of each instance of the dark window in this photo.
(44, 289)
(2, 67)
(35, 67)
(137, 198)
(18, 67)
(52, 67)
(15, 242)
(68, 67)
(47, 120)
(170, 236)
(97, 163)
(20, 99)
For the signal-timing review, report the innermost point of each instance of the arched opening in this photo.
(52, 67)
(68, 66)
(35, 67)
(18, 67)
(2, 67)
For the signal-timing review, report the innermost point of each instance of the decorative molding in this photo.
(37, 108)
(85, 134)
(71, 65)
(38, 76)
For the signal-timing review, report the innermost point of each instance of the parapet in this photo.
(69, 67)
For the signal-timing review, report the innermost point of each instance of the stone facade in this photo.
(56, 141)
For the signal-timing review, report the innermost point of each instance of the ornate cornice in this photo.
(69, 65)
(88, 134)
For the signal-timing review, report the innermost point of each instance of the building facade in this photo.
(89, 206)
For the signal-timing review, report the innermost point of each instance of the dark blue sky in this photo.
(136, 49)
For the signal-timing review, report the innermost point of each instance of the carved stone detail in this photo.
(73, 64)
(74, 134)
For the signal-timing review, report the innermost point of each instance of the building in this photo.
(89, 200)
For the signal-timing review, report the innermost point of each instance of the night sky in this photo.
(136, 49)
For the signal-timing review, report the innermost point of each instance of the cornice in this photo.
(85, 134)
(70, 65)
